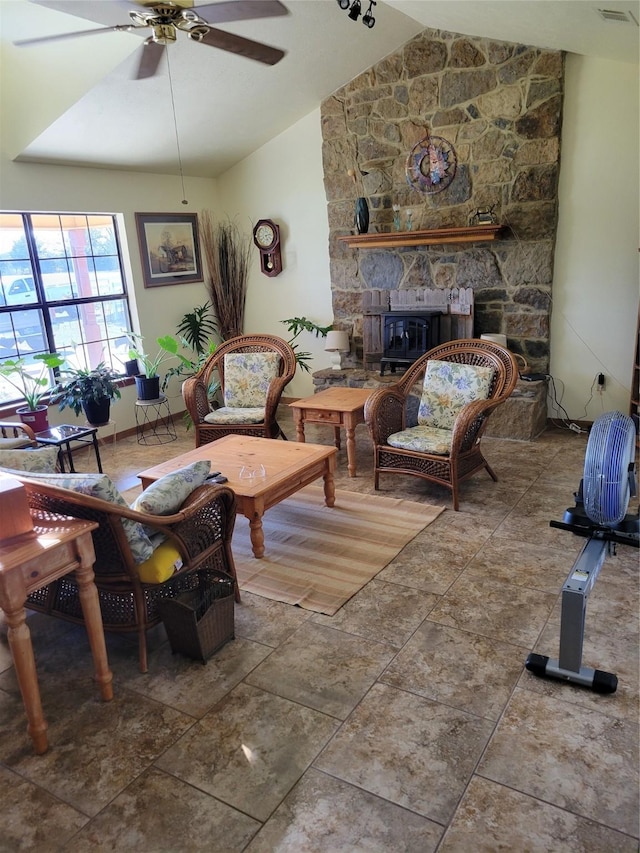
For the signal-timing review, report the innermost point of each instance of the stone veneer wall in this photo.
(500, 106)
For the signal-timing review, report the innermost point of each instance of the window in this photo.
(62, 290)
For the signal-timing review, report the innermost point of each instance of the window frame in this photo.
(45, 306)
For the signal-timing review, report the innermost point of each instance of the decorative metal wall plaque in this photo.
(431, 165)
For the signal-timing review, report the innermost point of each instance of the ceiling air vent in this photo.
(616, 15)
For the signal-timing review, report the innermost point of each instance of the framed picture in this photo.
(169, 248)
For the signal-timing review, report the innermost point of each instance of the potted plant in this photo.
(30, 376)
(89, 390)
(295, 326)
(196, 331)
(148, 380)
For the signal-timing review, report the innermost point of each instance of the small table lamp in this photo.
(336, 343)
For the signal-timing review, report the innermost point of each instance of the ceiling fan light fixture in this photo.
(164, 33)
(197, 33)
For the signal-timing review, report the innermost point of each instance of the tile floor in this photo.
(448, 744)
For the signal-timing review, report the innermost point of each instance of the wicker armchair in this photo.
(14, 434)
(201, 531)
(455, 455)
(255, 417)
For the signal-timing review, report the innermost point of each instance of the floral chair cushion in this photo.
(247, 376)
(227, 415)
(101, 486)
(423, 439)
(167, 494)
(13, 443)
(447, 388)
(43, 459)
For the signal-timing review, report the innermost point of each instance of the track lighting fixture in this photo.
(367, 19)
(355, 10)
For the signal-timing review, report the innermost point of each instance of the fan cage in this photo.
(609, 469)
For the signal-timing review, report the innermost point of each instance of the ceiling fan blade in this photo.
(150, 57)
(242, 46)
(240, 10)
(24, 42)
(110, 13)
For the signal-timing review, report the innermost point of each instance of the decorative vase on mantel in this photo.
(362, 215)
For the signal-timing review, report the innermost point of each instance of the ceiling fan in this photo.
(164, 19)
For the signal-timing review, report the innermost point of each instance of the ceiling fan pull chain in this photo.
(175, 125)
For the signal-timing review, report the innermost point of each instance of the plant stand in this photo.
(154, 424)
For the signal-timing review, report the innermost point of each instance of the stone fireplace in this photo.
(499, 105)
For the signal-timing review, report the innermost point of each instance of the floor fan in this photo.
(600, 514)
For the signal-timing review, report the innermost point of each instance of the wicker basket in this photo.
(200, 621)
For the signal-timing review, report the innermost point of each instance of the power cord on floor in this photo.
(565, 421)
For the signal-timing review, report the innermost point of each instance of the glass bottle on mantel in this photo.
(362, 215)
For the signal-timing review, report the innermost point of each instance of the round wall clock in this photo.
(431, 165)
(266, 236)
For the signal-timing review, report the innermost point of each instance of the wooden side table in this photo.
(338, 407)
(59, 545)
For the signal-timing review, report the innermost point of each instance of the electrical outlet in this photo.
(601, 382)
(574, 428)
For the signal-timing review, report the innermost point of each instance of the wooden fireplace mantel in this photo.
(395, 239)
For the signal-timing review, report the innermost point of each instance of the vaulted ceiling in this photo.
(75, 101)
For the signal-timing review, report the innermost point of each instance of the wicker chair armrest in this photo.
(470, 422)
(196, 399)
(276, 387)
(205, 519)
(15, 429)
(384, 414)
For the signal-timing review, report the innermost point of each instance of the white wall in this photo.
(596, 278)
(283, 181)
(36, 187)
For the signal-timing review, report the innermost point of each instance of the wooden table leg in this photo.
(298, 417)
(336, 437)
(19, 638)
(257, 536)
(92, 616)
(350, 429)
(329, 483)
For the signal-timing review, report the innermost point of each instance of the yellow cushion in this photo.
(163, 563)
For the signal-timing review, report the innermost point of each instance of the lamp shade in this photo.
(337, 342)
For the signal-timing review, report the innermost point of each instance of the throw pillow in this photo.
(161, 565)
(101, 486)
(167, 494)
(247, 376)
(448, 387)
(43, 459)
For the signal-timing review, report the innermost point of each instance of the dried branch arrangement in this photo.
(227, 253)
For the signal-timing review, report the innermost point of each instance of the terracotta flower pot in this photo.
(37, 419)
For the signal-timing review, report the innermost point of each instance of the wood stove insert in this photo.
(406, 336)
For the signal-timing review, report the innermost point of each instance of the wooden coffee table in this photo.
(338, 407)
(289, 466)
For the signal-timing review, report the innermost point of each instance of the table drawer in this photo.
(54, 563)
(322, 415)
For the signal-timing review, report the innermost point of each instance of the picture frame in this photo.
(169, 248)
